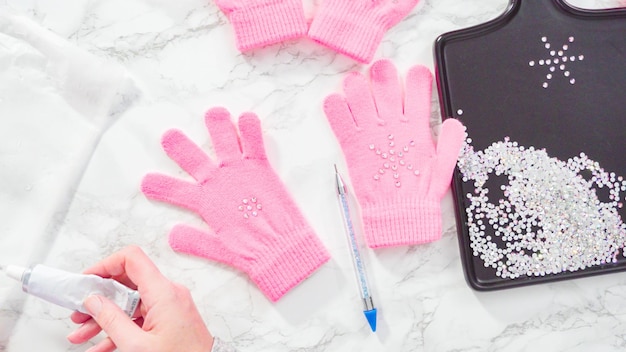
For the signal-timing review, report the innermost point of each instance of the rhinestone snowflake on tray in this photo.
(549, 218)
(557, 61)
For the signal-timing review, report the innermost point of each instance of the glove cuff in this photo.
(287, 262)
(403, 222)
(268, 23)
(336, 27)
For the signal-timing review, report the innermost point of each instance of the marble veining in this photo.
(88, 88)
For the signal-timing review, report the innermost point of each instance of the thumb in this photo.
(449, 146)
(120, 328)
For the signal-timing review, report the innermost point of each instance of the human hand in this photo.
(165, 320)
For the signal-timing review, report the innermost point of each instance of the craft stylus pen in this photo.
(359, 267)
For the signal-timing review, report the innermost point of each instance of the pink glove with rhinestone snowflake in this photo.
(398, 173)
(255, 225)
(356, 27)
(259, 23)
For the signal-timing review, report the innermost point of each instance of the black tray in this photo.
(495, 79)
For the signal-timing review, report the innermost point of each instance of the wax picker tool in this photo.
(255, 226)
(399, 174)
(369, 310)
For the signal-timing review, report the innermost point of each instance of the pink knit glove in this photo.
(398, 173)
(259, 23)
(256, 227)
(356, 27)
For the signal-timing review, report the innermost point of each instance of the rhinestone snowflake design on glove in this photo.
(398, 171)
(549, 219)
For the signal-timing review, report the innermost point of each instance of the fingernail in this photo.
(93, 304)
(72, 336)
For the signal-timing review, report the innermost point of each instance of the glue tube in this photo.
(70, 290)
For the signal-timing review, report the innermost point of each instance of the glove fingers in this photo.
(397, 10)
(187, 155)
(360, 100)
(387, 91)
(417, 98)
(223, 134)
(339, 116)
(251, 136)
(188, 240)
(171, 190)
(448, 148)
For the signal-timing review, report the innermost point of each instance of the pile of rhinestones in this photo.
(549, 218)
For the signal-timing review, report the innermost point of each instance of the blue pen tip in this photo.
(370, 315)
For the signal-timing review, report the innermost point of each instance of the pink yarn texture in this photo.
(398, 173)
(255, 225)
(259, 23)
(356, 27)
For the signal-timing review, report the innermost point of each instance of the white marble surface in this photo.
(88, 88)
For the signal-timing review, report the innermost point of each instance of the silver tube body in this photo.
(70, 290)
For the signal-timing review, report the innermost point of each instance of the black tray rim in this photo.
(446, 112)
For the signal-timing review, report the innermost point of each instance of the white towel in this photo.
(56, 101)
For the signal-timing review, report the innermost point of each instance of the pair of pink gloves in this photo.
(398, 173)
(352, 27)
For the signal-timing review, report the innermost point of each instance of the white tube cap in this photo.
(15, 272)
